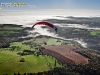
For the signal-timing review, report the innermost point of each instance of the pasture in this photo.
(10, 60)
(10, 63)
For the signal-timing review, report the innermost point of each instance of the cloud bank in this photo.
(28, 18)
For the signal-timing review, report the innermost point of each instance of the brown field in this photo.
(65, 53)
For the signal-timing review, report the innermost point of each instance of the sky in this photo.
(53, 4)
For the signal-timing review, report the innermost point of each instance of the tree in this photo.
(55, 63)
(18, 74)
(22, 60)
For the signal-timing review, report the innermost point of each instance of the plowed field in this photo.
(65, 53)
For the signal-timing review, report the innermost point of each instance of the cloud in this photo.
(28, 18)
(31, 6)
(64, 12)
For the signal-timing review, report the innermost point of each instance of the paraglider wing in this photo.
(46, 23)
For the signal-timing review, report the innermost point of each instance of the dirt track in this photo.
(65, 53)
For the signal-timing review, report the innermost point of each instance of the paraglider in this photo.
(45, 23)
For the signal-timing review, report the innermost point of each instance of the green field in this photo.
(11, 64)
(95, 32)
(10, 60)
(53, 41)
(21, 47)
(8, 30)
(4, 57)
